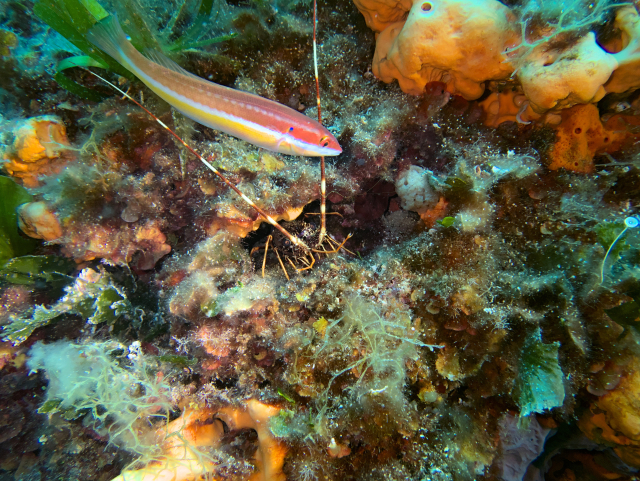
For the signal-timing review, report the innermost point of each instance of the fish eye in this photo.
(324, 141)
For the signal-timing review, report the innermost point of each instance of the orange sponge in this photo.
(579, 137)
(39, 148)
(194, 428)
(457, 42)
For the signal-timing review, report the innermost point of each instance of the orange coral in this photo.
(39, 148)
(463, 44)
(379, 14)
(626, 77)
(271, 452)
(558, 79)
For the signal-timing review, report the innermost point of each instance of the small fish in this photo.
(622, 106)
(257, 120)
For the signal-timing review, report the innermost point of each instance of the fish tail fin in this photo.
(108, 36)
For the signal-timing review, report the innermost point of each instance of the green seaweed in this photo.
(540, 379)
(282, 426)
(109, 305)
(281, 393)
(31, 270)
(121, 398)
(447, 221)
(8, 41)
(93, 296)
(201, 43)
(210, 308)
(607, 232)
(12, 243)
(74, 87)
(50, 406)
(136, 25)
(189, 39)
(21, 328)
(180, 361)
(197, 26)
(72, 19)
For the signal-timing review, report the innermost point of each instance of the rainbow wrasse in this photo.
(249, 117)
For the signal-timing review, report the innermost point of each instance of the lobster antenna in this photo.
(323, 181)
(294, 240)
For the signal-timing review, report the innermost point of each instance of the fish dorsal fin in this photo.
(166, 62)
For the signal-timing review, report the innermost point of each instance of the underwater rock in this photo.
(216, 262)
(234, 220)
(144, 244)
(40, 147)
(407, 354)
(282, 195)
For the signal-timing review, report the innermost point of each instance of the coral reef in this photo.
(471, 313)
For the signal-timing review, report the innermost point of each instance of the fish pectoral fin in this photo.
(166, 62)
(286, 137)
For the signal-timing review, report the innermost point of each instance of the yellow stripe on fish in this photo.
(249, 117)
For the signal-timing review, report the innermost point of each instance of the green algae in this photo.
(8, 41)
(94, 297)
(539, 385)
(33, 270)
(180, 361)
(12, 243)
(74, 18)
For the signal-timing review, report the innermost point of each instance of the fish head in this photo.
(309, 143)
(329, 145)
